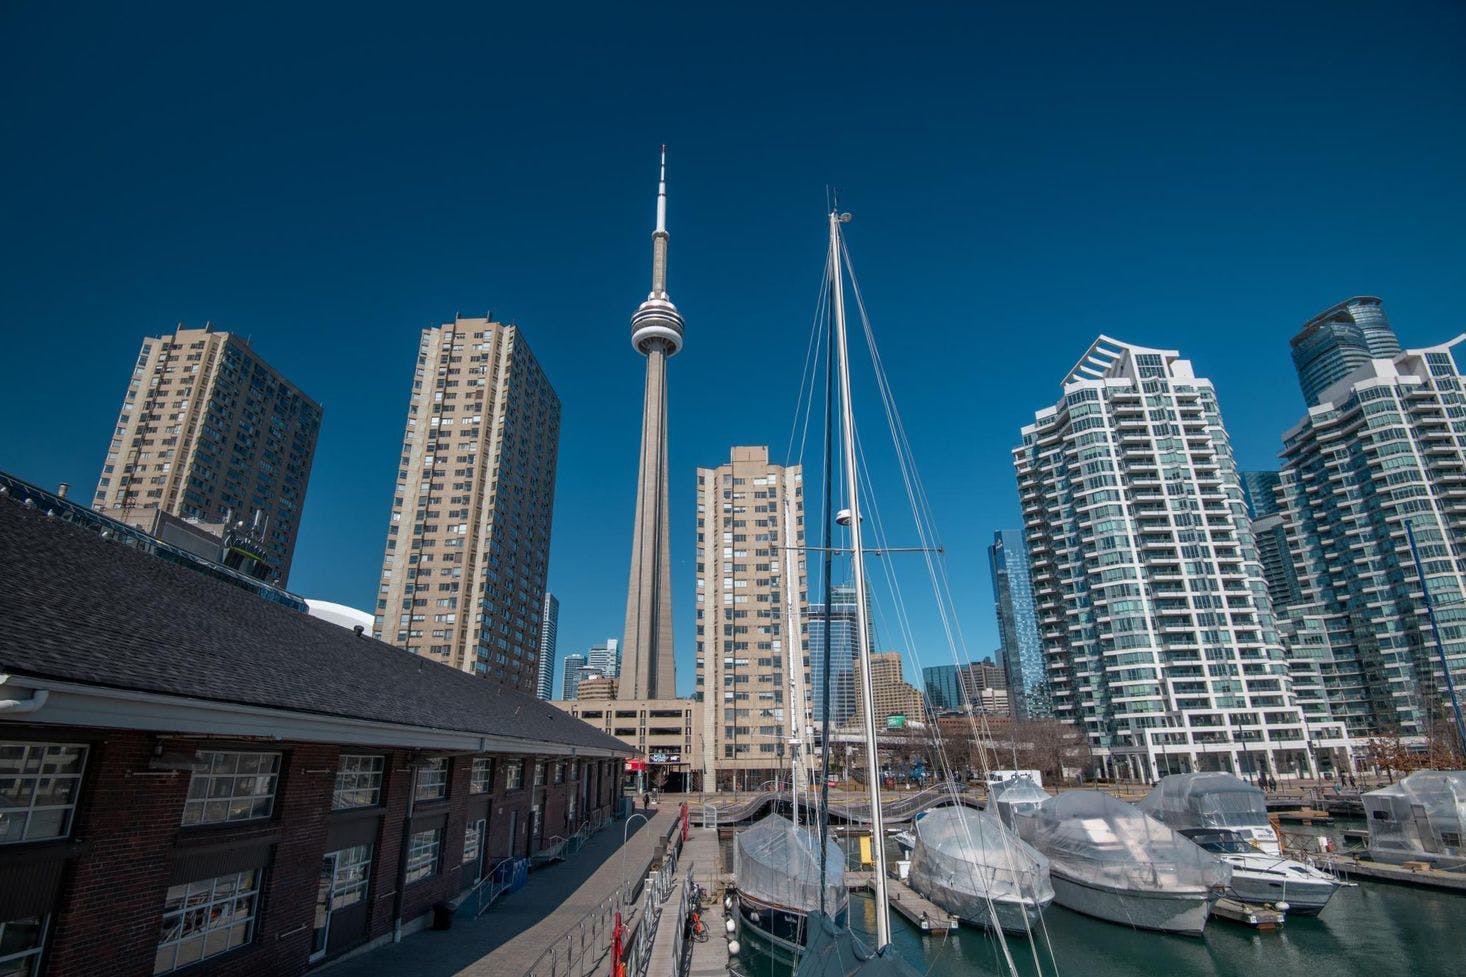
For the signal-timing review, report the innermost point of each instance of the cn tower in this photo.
(648, 670)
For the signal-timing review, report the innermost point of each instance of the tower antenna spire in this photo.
(662, 194)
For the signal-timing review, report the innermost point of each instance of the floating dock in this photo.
(1248, 914)
(1349, 867)
(919, 911)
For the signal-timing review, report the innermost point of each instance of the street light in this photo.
(624, 829)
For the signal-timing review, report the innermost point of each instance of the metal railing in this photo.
(681, 947)
(507, 876)
(584, 948)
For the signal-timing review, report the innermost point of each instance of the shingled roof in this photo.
(80, 608)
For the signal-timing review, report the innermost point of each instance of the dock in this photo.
(919, 911)
(1351, 867)
(1248, 914)
(702, 855)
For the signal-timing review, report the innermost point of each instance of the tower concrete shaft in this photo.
(648, 669)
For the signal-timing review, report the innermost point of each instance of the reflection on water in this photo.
(1371, 931)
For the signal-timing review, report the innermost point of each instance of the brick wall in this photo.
(128, 845)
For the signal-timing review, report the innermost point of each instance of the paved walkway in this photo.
(513, 934)
(709, 959)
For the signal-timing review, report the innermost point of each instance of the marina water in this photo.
(1372, 930)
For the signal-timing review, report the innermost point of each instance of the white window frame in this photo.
(33, 952)
(473, 835)
(224, 771)
(36, 767)
(430, 780)
(514, 776)
(358, 776)
(200, 911)
(481, 778)
(423, 850)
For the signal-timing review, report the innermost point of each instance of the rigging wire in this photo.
(923, 517)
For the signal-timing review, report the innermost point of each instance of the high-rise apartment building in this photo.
(1381, 451)
(605, 658)
(1259, 492)
(211, 433)
(752, 666)
(844, 650)
(1338, 341)
(1156, 623)
(896, 702)
(576, 671)
(1022, 652)
(656, 333)
(468, 546)
(549, 631)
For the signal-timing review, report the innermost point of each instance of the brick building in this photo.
(196, 777)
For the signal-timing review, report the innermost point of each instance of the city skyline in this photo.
(360, 246)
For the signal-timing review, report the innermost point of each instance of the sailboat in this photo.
(832, 949)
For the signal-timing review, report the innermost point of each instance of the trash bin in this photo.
(442, 916)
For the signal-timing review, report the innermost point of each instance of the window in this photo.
(560, 772)
(432, 780)
(231, 787)
(38, 788)
(203, 919)
(422, 854)
(20, 945)
(481, 780)
(514, 776)
(358, 782)
(473, 834)
(539, 773)
(353, 872)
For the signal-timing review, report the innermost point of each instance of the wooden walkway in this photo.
(917, 909)
(703, 855)
(1349, 867)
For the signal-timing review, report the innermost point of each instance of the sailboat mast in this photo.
(857, 563)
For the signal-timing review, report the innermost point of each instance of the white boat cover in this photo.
(775, 862)
(1206, 800)
(1016, 797)
(1420, 817)
(971, 852)
(1091, 837)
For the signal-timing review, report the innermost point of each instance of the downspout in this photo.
(397, 901)
(20, 707)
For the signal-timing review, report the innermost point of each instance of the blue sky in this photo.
(1024, 177)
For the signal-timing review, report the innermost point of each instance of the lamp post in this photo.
(624, 834)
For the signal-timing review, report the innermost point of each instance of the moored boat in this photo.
(1258, 877)
(966, 862)
(1109, 860)
(776, 865)
(1213, 800)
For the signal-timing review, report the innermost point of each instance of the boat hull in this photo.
(1305, 897)
(1168, 912)
(1015, 916)
(780, 926)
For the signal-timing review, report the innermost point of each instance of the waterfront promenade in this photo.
(508, 939)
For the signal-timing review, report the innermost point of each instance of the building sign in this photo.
(635, 766)
(666, 758)
(897, 721)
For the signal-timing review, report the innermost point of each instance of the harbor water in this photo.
(1375, 930)
(1370, 930)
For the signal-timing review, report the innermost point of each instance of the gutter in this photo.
(75, 704)
(19, 707)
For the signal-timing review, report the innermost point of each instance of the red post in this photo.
(618, 969)
(684, 822)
